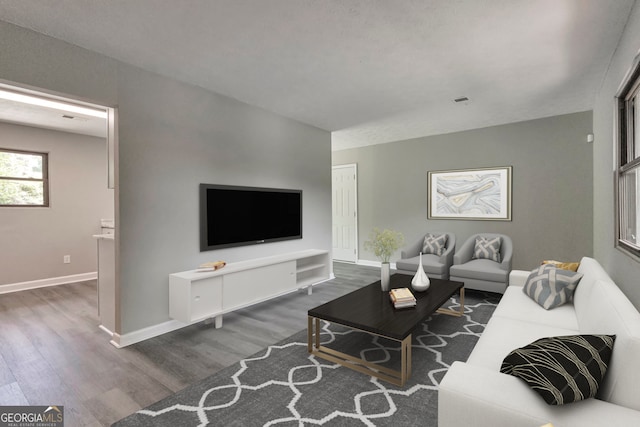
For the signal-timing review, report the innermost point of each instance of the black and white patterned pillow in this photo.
(562, 369)
(550, 286)
(487, 248)
(434, 244)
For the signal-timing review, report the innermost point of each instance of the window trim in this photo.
(622, 115)
(624, 245)
(44, 180)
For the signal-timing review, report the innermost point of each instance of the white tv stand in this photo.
(196, 296)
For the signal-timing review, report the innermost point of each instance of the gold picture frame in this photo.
(470, 194)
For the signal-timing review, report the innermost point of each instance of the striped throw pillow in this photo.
(487, 248)
(550, 286)
(434, 244)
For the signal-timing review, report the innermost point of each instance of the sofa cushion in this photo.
(482, 269)
(518, 278)
(606, 310)
(562, 369)
(592, 271)
(472, 396)
(430, 263)
(503, 335)
(550, 286)
(515, 304)
(434, 244)
(487, 248)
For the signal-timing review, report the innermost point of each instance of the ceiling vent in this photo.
(75, 118)
(461, 99)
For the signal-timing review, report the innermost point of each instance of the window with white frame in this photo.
(23, 179)
(628, 164)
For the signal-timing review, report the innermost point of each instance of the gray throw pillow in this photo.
(562, 369)
(487, 248)
(434, 244)
(550, 286)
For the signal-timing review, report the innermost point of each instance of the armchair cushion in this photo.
(434, 244)
(562, 369)
(481, 269)
(487, 248)
(430, 263)
(550, 286)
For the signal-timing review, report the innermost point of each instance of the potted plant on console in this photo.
(383, 244)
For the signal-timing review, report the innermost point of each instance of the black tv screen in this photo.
(237, 216)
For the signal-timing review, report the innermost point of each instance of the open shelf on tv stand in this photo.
(195, 296)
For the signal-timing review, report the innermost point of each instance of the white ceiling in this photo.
(48, 118)
(370, 71)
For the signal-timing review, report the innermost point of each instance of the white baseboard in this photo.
(42, 283)
(104, 329)
(331, 276)
(370, 263)
(120, 341)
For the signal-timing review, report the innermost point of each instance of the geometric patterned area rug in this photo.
(283, 385)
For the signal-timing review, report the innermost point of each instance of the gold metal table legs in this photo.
(450, 312)
(357, 364)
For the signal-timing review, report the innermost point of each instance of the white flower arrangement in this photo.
(384, 243)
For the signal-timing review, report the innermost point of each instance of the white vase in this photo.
(385, 276)
(420, 281)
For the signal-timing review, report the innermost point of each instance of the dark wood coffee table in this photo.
(369, 309)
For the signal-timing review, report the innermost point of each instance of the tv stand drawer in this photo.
(258, 284)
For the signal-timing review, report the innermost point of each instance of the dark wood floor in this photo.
(52, 352)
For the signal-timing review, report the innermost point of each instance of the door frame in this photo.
(112, 163)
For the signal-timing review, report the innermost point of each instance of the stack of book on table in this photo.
(402, 298)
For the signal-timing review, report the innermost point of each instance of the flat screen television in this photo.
(237, 216)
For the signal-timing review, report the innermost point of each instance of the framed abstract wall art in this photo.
(472, 194)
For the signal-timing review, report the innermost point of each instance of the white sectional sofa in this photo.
(475, 393)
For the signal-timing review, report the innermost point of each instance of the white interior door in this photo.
(345, 215)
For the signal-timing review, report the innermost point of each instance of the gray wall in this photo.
(624, 269)
(552, 185)
(34, 240)
(172, 137)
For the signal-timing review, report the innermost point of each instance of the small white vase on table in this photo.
(383, 244)
(420, 281)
